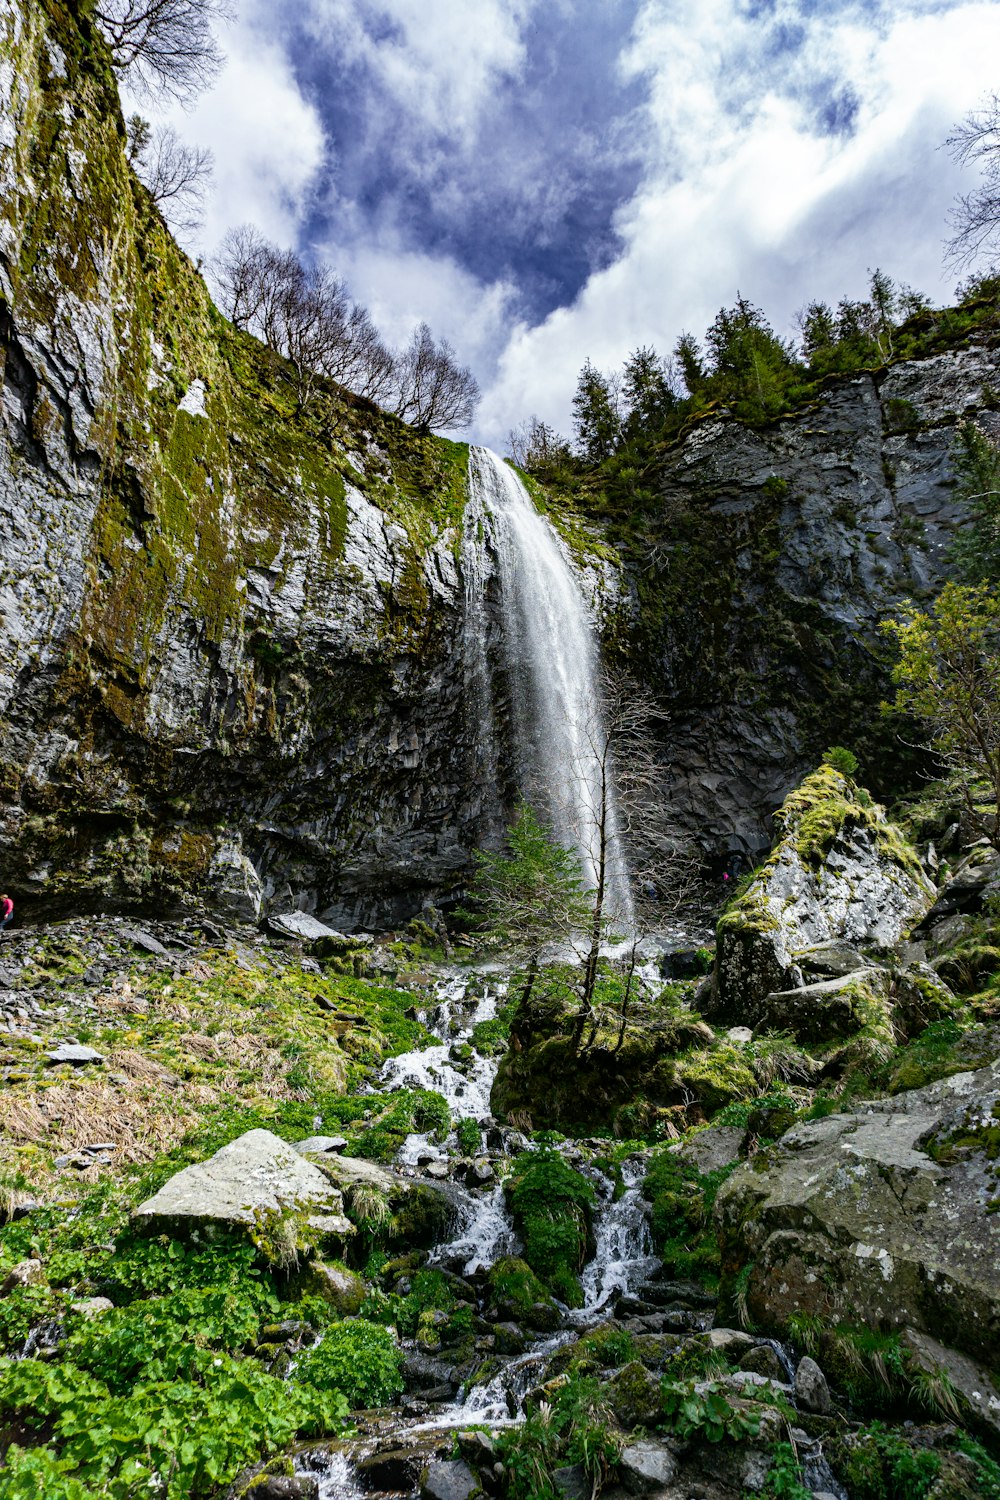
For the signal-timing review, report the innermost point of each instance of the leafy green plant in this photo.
(841, 759)
(704, 1411)
(784, 1479)
(552, 1204)
(358, 1359)
(469, 1136)
(877, 1464)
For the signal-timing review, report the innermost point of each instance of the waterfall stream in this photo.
(550, 649)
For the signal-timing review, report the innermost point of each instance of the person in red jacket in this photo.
(6, 911)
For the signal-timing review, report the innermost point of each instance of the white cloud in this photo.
(743, 190)
(439, 62)
(402, 288)
(266, 137)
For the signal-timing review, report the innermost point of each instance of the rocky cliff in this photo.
(763, 563)
(235, 629)
(232, 627)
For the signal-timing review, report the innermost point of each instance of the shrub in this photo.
(356, 1358)
(841, 759)
(551, 1205)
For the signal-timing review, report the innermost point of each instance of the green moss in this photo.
(552, 1206)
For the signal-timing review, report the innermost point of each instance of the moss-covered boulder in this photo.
(552, 1206)
(517, 1295)
(257, 1184)
(841, 872)
(884, 1219)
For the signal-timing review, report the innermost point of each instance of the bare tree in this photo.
(308, 316)
(533, 444)
(176, 174)
(164, 46)
(432, 388)
(975, 217)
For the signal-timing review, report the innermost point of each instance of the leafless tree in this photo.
(308, 316)
(975, 217)
(631, 809)
(533, 444)
(164, 46)
(432, 388)
(176, 174)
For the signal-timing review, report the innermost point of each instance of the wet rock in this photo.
(729, 1340)
(281, 1487)
(855, 1221)
(256, 1183)
(811, 1390)
(396, 1471)
(448, 1480)
(476, 1448)
(645, 1466)
(763, 1360)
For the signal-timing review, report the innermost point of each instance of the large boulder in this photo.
(841, 873)
(256, 1184)
(882, 1218)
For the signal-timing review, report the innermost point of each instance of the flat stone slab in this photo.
(250, 1183)
(144, 940)
(711, 1149)
(75, 1054)
(299, 924)
(321, 1145)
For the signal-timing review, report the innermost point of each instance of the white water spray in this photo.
(551, 653)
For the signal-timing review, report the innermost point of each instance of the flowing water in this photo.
(550, 649)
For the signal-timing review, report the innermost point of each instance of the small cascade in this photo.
(624, 1257)
(486, 1235)
(551, 652)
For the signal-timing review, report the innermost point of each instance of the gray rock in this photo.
(282, 1487)
(811, 1390)
(258, 1183)
(321, 1145)
(881, 1217)
(299, 924)
(834, 959)
(572, 1482)
(827, 1009)
(764, 1360)
(92, 1307)
(853, 887)
(25, 1273)
(712, 1148)
(646, 1465)
(448, 1480)
(729, 1340)
(144, 941)
(343, 1290)
(75, 1054)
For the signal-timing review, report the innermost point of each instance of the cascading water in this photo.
(551, 654)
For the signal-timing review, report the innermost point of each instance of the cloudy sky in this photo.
(550, 180)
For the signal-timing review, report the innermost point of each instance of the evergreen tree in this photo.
(976, 549)
(689, 357)
(648, 397)
(750, 364)
(596, 416)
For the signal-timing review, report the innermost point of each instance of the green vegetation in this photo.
(681, 1219)
(947, 676)
(552, 1206)
(573, 1427)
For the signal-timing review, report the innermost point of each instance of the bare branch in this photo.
(164, 46)
(176, 174)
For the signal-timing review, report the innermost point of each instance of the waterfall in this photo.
(551, 654)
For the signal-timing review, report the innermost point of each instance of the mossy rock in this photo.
(840, 873)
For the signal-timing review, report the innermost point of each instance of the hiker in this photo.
(6, 911)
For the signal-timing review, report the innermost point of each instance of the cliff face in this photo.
(235, 638)
(231, 628)
(766, 566)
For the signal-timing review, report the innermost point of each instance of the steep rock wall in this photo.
(765, 566)
(232, 628)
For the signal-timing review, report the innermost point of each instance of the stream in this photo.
(484, 1232)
